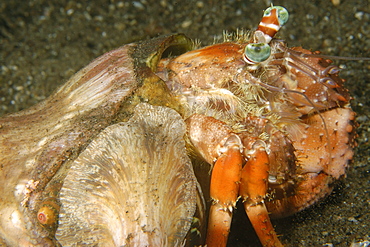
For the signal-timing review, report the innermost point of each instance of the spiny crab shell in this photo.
(78, 143)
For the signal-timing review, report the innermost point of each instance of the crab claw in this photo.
(224, 191)
(253, 189)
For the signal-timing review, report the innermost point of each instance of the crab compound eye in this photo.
(282, 14)
(256, 52)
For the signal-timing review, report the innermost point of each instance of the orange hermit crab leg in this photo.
(253, 189)
(224, 193)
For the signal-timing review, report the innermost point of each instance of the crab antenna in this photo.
(336, 57)
(273, 19)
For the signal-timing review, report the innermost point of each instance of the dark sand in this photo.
(43, 43)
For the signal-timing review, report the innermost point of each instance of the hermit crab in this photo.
(108, 159)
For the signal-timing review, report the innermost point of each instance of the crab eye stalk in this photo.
(256, 53)
(281, 13)
(273, 19)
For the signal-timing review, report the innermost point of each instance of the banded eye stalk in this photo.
(259, 49)
(273, 19)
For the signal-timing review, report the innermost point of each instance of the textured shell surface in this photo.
(122, 188)
(38, 141)
(154, 180)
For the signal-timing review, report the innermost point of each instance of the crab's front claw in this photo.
(253, 189)
(224, 191)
